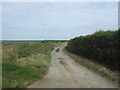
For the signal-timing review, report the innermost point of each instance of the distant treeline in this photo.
(101, 47)
(34, 40)
(9, 42)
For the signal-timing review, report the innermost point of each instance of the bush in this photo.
(102, 47)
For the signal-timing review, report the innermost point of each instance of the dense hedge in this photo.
(102, 47)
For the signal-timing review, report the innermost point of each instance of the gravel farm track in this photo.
(66, 73)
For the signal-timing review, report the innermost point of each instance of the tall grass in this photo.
(25, 62)
(101, 47)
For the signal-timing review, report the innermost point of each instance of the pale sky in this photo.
(56, 20)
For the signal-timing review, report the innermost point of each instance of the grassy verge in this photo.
(93, 66)
(25, 62)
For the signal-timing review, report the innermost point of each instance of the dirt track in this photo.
(66, 73)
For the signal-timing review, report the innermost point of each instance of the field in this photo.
(23, 62)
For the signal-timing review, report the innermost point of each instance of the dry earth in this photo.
(66, 73)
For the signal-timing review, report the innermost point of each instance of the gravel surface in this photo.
(66, 73)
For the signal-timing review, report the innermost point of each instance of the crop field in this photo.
(23, 62)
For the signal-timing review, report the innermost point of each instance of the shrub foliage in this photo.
(101, 47)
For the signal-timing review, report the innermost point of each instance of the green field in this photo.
(23, 62)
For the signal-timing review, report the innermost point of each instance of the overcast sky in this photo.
(57, 21)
